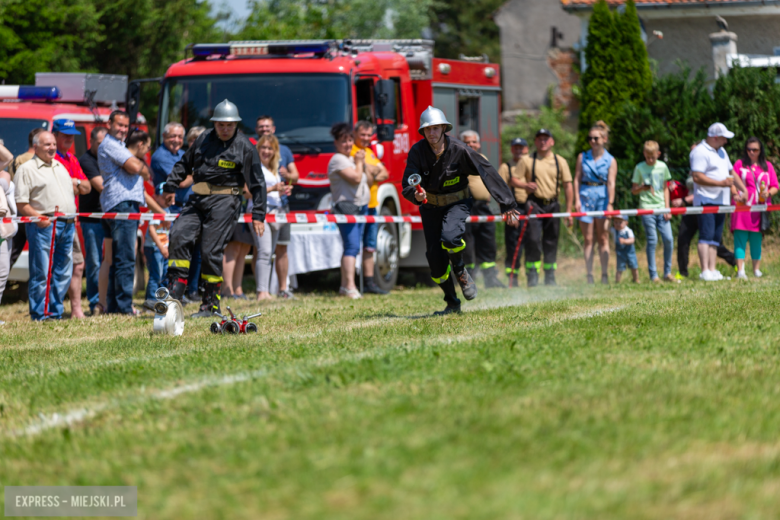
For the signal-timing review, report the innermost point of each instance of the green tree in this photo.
(466, 27)
(141, 38)
(39, 36)
(747, 101)
(526, 125)
(675, 112)
(323, 19)
(634, 72)
(618, 70)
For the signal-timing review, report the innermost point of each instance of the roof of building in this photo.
(649, 4)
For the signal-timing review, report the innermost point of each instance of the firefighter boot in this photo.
(532, 275)
(177, 288)
(451, 297)
(210, 303)
(490, 275)
(549, 277)
(467, 285)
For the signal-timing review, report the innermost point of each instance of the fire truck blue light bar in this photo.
(211, 49)
(262, 48)
(29, 93)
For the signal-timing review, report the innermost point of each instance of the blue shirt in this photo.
(162, 164)
(118, 185)
(286, 156)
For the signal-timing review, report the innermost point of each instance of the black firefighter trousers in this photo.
(210, 219)
(444, 227)
(542, 237)
(480, 239)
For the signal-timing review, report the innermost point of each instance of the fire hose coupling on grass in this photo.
(233, 325)
(168, 314)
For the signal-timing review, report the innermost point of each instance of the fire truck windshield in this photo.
(14, 132)
(303, 106)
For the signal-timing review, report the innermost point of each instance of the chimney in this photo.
(724, 43)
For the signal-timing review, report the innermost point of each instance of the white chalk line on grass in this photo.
(79, 415)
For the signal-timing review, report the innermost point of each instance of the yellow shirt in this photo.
(477, 187)
(545, 174)
(20, 160)
(45, 186)
(371, 160)
(504, 171)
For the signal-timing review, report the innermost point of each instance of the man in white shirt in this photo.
(43, 186)
(713, 184)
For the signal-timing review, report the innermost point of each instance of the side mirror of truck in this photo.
(384, 96)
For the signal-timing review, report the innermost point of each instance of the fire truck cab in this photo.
(86, 99)
(307, 86)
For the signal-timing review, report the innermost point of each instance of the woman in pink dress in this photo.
(759, 176)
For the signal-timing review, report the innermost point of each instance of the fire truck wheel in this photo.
(231, 327)
(386, 266)
(251, 328)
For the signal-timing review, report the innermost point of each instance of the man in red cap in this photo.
(64, 131)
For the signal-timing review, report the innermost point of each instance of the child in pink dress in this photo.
(761, 181)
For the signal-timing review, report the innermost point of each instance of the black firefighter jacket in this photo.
(223, 163)
(450, 173)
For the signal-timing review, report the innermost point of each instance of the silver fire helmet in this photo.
(226, 112)
(433, 116)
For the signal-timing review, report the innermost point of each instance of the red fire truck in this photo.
(306, 86)
(86, 99)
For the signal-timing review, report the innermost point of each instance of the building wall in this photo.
(526, 38)
(688, 39)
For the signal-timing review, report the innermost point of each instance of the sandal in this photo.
(590, 279)
(351, 293)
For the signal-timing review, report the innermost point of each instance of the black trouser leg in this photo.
(221, 212)
(438, 260)
(726, 254)
(185, 231)
(551, 229)
(469, 253)
(542, 237)
(452, 231)
(443, 229)
(689, 226)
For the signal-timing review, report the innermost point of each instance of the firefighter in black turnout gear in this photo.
(444, 165)
(542, 175)
(480, 237)
(221, 161)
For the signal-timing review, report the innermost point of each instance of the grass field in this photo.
(636, 402)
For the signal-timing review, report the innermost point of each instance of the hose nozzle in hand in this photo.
(415, 180)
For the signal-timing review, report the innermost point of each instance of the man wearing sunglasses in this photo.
(541, 175)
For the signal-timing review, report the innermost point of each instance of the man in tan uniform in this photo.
(519, 149)
(541, 175)
(480, 252)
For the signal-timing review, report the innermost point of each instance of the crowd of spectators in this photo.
(113, 173)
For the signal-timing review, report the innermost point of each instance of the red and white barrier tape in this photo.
(321, 218)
